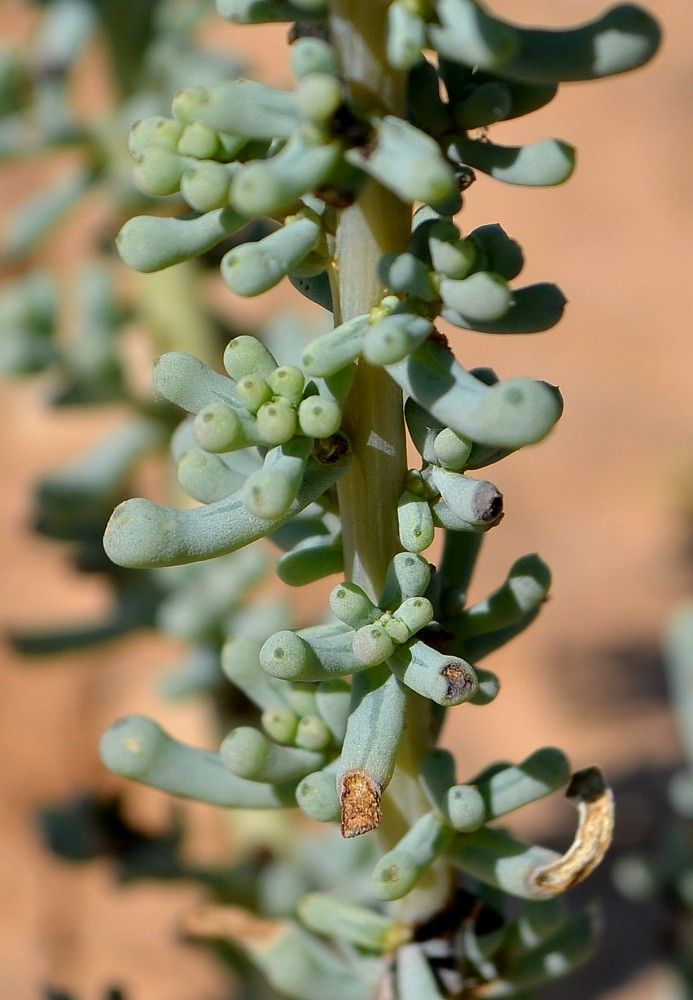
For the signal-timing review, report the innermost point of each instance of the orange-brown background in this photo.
(601, 501)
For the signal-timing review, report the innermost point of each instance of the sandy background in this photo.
(601, 501)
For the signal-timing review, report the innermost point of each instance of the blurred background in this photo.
(607, 501)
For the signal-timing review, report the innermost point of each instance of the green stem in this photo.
(373, 418)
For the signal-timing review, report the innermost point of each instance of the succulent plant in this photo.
(350, 185)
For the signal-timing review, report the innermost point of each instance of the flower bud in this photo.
(451, 449)
(252, 391)
(318, 96)
(158, 171)
(218, 428)
(415, 613)
(372, 645)
(416, 531)
(280, 724)
(319, 417)
(288, 381)
(312, 733)
(247, 355)
(351, 605)
(206, 186)
(163, 133)
(199, 141)
(276, 421)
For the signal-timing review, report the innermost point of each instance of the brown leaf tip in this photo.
(360, 798)
(440, 339)
(460, 680)
(587, 785)
(231, 923)
(589, 792)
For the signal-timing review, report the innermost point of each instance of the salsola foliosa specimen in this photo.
(359, 171)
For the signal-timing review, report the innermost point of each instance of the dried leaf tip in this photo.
(360, 799)
(594, 800)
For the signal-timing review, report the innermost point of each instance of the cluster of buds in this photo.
(261, 407)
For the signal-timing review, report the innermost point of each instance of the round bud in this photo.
(254, 191)
(319, 417)
(158, 172)
(280, 724)
(286, 655)
(319, 95)
(351, 604)
(415, 523)
(198, 140)
(312, 733)
(252, 391)
(267, 494)
(246, 355)
(188, 103)
(276, 421)
(372, 644)
(206, 186)
(317, 796)
(288, 381)
(465, 807)
(244, 751)
(397, 631)
(451, 449)
(163, 133)
(415, 613)
(217, 427)
(301, 697)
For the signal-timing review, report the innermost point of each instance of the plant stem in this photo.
(373, 419)
(376, 224)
